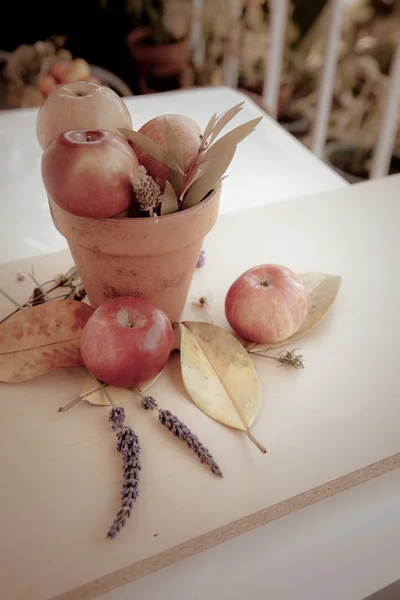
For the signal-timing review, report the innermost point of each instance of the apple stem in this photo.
(256, 442)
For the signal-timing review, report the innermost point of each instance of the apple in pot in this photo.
(80, 105)
(188, 133)
(266, 304)
(126, 341)
(88, 173)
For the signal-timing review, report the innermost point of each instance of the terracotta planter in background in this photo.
(163, 61)
(148, 257)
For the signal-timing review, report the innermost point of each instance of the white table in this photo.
(343, 548)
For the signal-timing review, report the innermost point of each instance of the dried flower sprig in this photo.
(147, 192)
(285, 357)
(179, 429)
(204, 302)
(71, 282)
(128, 445)
(201, 260)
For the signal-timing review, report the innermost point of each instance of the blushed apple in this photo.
(80, 105)
(126, 341)
(188, 134)
(88, 173)
(266, 304)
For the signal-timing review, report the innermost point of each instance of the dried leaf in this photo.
(118, 394)
(322, 290)
(219, 375)
(174, 150)
(169, 203)
(209, 128)
(224, 119)
(232, 138)
(152, 148)
(208, 180)
(46, 337)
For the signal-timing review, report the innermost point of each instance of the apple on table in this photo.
(266, 304)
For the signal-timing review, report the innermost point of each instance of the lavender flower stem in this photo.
(128, 446)
(103, 389)
(179, 429)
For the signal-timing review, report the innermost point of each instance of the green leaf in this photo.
(152, 148)
(208, 179)
(175, 150)
(169, 203)
(232, 138)
(225, 118)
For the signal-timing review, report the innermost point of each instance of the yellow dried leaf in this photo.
(94, 395)
(219, 376)
(322, 290)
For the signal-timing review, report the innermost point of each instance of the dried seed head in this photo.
(148, 193)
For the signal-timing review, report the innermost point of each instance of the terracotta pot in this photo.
(145, 52)
(160, 61)
(147, 257)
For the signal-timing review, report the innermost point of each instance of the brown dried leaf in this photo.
(41, 339)
(175, 150)
(322, 290)
(118, 395)
(232, 138)
(219, 375)
(225, 118)
(169, 203)
(152, 148)
(208, 180)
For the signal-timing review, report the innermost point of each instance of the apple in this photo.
(188, 134)
(266, 304)
(80, 105)
(46, 84)
(126, 341)
(88, 173)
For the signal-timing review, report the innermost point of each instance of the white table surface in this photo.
(343, 548)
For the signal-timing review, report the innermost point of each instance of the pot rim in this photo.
(135, 37)
(148, 221)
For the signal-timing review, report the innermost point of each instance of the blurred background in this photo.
(148, 46)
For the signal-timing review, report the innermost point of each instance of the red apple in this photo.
(126, 341)
(88, 173)
(188, 134)
(80, 105)
(266, 304)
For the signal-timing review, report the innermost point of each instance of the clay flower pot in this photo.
(159, 60)
(152, 258)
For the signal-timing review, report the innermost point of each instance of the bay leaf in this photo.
(41, 339)
(152, 148)
(322, 290)
(169, 203)
(94, 395)
(208, 180)
(174, 150)
(219, 376)
(230, 139)
(225, 118)
(209, 128)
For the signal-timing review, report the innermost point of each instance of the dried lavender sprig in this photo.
(180, 430)
(128, 446)
(148, 403)
(117, 417)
